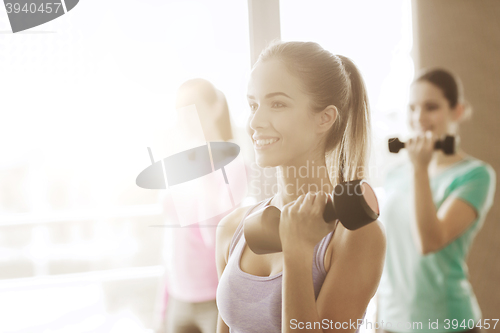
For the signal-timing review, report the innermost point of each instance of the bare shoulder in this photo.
(366, 244)
(373, 232)
(226, 229)
(362, 253)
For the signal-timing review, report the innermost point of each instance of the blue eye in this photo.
(253, 107)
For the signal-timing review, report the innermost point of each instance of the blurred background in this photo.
(83, 96)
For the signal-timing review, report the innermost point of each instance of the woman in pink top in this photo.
(191, 274)
(309, 114)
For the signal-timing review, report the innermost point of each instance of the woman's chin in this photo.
(265, 163)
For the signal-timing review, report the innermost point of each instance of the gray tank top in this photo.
(248, 303)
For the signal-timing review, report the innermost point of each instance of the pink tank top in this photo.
(248, 303)
(190, 255)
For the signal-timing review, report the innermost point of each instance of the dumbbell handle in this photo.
(447, 145)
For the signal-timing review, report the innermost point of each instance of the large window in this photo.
(82, 97)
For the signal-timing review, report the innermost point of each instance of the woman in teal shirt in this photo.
(435, 206)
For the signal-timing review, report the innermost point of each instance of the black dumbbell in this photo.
(354, 204)
(447, 145)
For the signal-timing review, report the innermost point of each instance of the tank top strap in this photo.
(239, 230)
(321, 250)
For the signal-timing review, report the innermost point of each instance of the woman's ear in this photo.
(327, 118)
(459, 112)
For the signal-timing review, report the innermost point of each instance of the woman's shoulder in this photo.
(227, 227)
(480, 164)
(474, 168)
(367, 243)
(372, 234)
(231, 221)
(361, 252)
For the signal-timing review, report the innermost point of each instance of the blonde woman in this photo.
(309, 109)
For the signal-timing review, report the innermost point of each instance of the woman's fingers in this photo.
(421, 142)
(432, 138)
(297, 203)
(308, 201)
(312, 202)
(412, 143)
(420, 149)
(320, 203)
(429, 140)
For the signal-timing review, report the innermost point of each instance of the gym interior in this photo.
(85, 95)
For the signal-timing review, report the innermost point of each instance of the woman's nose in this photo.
(258, 118)
(418, 115)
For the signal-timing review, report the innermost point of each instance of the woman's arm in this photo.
(224, 234)
(221, 326)
(436, 229)
(350, 283)
(432, 229)
(208, 230)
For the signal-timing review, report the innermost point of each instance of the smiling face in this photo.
(429, 110)
(280, 116)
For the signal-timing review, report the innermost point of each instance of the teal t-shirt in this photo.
(430, 288)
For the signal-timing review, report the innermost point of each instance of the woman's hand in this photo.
(420, 149)
(301, 223)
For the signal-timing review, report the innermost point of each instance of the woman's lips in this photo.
(260, 147)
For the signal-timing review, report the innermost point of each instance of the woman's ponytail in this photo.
(355, 144)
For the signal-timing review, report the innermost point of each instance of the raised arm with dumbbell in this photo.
(353, 203)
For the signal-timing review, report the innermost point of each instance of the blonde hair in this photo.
(332, 80)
